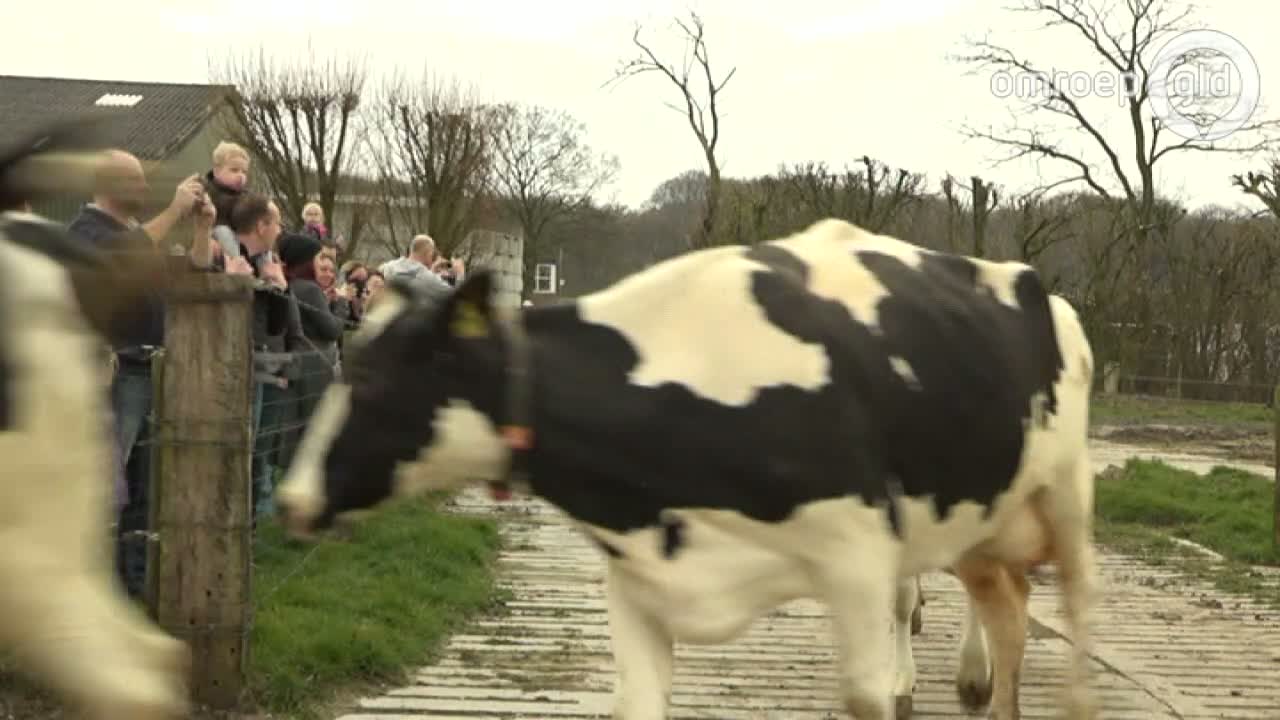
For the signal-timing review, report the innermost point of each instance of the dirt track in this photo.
(1197, 447)
(1167, 647)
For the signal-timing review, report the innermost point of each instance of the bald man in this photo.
(416, 267)
(119, 193)
(109, 223)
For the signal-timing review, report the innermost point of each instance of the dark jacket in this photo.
(222, 197)
(270, 306)
(322, 322)
(317, 354)
(143, 325)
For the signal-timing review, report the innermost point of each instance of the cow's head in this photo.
(417, 409)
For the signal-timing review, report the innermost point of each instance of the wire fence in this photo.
(1186, 390)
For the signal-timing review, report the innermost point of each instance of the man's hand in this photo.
(186, 194)
(239, 266)
(204, 235)
(347, 292)
(207, 214)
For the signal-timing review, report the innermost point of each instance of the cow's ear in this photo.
(470, 309)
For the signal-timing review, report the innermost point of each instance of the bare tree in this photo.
(689, 188)
(872, 196)
(700, 95)
(300, 121)
(1263, 185)
(1039, 224)
(1125, 37)
(431, 144)
(543, 170)
(983, 199)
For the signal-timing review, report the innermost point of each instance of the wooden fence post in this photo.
(1275, 503)
(204, 521)
(155, 476)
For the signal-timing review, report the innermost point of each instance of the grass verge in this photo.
(1131, 409)
(1146, 503)
(345, 615)
(364, 609)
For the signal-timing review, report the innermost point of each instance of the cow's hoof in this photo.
(974, 695)
(902, 707)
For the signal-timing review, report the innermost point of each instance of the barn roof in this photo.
(150, 120)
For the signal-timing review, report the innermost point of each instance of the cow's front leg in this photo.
(642, 653)
(906, 606)
(859, 588)
(63, 626)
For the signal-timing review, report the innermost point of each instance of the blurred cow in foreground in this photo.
(64, 617)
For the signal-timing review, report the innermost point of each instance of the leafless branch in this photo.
(701, 104)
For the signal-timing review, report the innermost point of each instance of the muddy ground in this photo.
(1251, 444)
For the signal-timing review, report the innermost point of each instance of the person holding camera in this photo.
(109, 224)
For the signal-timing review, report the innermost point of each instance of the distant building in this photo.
(172, 128)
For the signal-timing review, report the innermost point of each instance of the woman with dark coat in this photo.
(323, 323)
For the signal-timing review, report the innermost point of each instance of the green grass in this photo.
(1228, 511)
(364, 609)
(1130, 409)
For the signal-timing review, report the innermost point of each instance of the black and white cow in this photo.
(63, 614)
(824, 415)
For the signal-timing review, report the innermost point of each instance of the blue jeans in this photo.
(131, 401)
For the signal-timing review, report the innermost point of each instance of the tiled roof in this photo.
(150, 120)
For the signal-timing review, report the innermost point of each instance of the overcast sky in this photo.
(816, 79)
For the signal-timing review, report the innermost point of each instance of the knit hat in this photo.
(296, 249)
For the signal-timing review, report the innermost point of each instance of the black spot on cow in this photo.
(673, 529)
(615, 455)
(979, 364)
(779, 260)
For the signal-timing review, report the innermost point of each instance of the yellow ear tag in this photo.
(469, 322)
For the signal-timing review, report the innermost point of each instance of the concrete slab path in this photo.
(1167, 647)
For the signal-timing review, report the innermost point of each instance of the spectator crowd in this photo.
(304, 303)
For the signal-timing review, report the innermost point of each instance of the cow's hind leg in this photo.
(1068, 509)
(1000, 594)
(917, 615)
(642, 651)
(974, 675)
(859, 588)
(905, 609)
